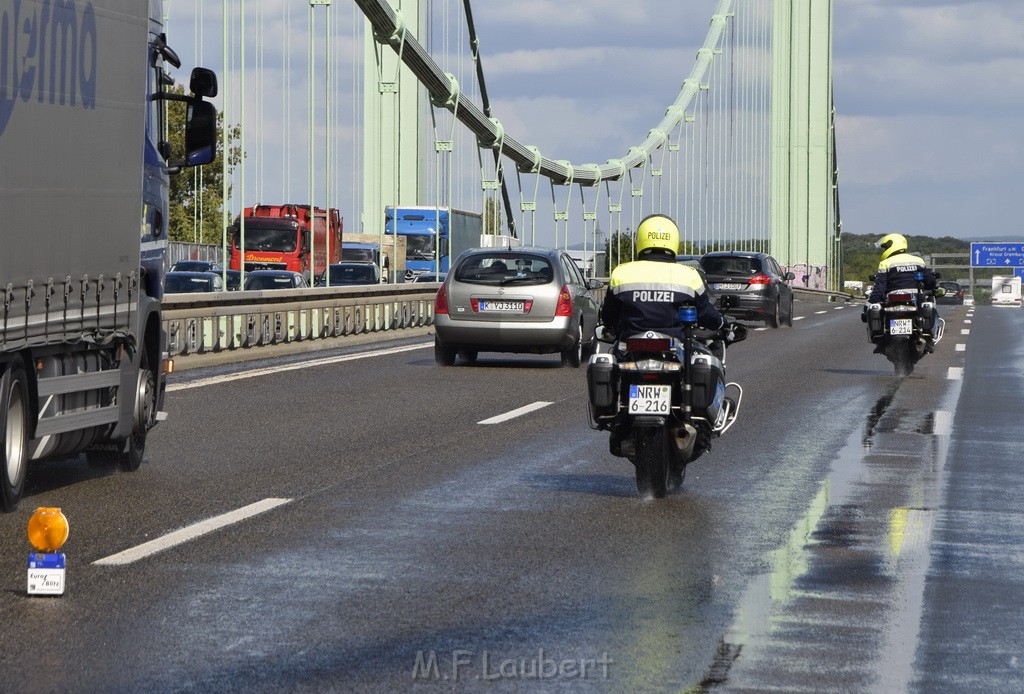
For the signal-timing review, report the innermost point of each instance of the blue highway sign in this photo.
(997, 255)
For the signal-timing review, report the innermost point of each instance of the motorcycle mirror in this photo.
(736, 333)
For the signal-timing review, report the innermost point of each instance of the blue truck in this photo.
(84, 190)
(434, 235)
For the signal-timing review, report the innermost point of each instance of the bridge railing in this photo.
(225, 321)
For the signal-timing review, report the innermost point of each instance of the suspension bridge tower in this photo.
(804, 207)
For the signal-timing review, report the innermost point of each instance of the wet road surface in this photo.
(396, 543)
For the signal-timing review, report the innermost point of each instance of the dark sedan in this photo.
(756, 283)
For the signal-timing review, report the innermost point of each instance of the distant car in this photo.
(192, 282)
(196, 266)
(430, 277)
(968, 300)
(756, 283)
(954, 293)
(234, 280)
(274, 279)
(350, 273)
(520, 300)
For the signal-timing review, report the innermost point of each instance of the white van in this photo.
(1006, 291)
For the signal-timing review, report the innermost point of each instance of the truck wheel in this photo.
(130, 457)
(14, 442)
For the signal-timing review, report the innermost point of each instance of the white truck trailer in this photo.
(83, 217)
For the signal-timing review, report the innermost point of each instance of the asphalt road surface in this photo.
(369, 521)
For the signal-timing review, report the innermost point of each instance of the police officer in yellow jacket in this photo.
(646, 294)
(898, 269)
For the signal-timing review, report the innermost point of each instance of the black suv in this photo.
(756, 283)
(954, 293)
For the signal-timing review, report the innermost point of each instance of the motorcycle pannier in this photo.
(706, 372)
(602, 382)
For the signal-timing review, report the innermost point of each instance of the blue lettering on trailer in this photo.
(49, 52)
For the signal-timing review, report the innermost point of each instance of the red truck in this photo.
(277, 237)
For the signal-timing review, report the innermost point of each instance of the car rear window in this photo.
(505, 268)
(736, 265)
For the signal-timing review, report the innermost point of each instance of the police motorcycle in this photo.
(663, 400)
(905, 325)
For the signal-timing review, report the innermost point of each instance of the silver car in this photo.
(523, 300)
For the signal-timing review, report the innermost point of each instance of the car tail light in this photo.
(648, 344)
(760, 279)
(564, 307)
(441, 302)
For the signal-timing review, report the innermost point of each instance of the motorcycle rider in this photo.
(646, 294)
(898, 269)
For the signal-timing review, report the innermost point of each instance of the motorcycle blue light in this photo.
(919, 276)
(688, 314)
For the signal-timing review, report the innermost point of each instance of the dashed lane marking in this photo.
(189, 533)
(515, 413)
(965, 331)
(955, 373)
(961, 347)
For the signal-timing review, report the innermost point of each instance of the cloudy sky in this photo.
(929, 93)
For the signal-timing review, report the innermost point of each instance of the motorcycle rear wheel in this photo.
(652, 461)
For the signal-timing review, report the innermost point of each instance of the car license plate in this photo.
(650, 399)
(901, 326)
(501, 306)
(727, 286)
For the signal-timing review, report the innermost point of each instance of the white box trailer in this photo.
(83, 216)
(1006, 291)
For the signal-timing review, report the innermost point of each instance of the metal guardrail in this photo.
(208, 323)
(821, 295)
(223, 321)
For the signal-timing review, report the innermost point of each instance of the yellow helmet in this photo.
(657, 233)
(891, 244)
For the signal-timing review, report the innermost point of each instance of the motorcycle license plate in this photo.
(650, 399)
(901, 326)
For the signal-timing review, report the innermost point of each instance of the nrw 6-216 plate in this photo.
(650, 399)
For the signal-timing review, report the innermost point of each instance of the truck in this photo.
(279, 237)
(434, 235)
(84, 185)
(367, 248)
(1006, 291)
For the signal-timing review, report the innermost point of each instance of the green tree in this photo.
(619, 249)
(198, 217)
(492, 215)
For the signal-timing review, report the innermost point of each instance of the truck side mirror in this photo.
(203, 82)
(200, 132)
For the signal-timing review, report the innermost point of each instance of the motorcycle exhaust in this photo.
(683, 439)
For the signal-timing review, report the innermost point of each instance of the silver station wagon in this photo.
(522, 300)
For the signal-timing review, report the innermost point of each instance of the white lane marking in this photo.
(943, 423)
(955, 373)
(838, 308)
(961, 347)
(800, 317)
(965, 331)
(968, 322)
(818, 313)
(256, 373)
(191, 532)
(763, 327)
(515, 413)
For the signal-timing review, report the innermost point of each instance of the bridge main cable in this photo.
(389, 28)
